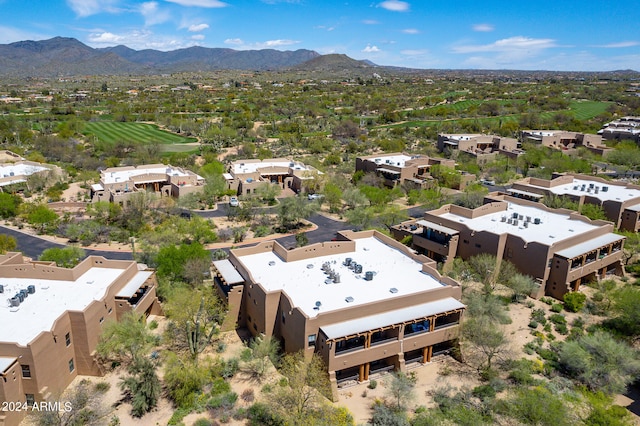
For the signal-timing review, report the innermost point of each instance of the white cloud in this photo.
(619, 45)
(324, 27)
(483, 28)
(138, 40)
(234, 41)
(269, 44)
(512, 44)
(370, 22)
(370, 49)
(197, 37)
(196, 28)
(411, 31)
(197, 3)
(106, 38)
(152, 14)
(395, 5)
(84, 8)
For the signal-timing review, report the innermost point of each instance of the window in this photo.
(67, 339)
(71, 366)
(283, 318)
(31, 399)
(311, 340)
(26, 371)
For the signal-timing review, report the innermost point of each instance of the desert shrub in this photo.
(574, 301)
(556, 307)
(558, 319)
(539, 316)
(373, 384)
(102, 387)
(533, 324)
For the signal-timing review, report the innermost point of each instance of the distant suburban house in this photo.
(118, 184)
(559, 248)
(53, 318)
(364, 302)
(482, 147)
(567, 142)
(244, 176)
(412, 170)
(625, 128)
(620, 200)
(16, 170)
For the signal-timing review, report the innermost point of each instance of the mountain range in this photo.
(62, 56)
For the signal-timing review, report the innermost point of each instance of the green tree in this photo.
(9, 205)
(292, 209)
(172, 261)
(574, 301)
(41, 217)
(66, 257)
(401, 389)
(521, 285)
(485, 339)
(600, 362)
(142, 386)
(262, 352)
(307, 386)
(195, 316)
(125, 340)
(626, 307)
(7, 243)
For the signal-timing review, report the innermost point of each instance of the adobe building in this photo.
(620, 200)
(14, 170)
(365, 303)
(482, 147)
(118, 184)
(567, 142)
(625, 128)
(245, 176)
(52, 321)
(559, 248)
(405, 169)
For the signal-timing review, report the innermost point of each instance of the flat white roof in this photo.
(305, 283)
(5, 362)
(51, 299)
(18, 169)
(391, 160)
(553, 227)
(109, 177)
(613, 192)
(589, 245)
(250, 167)
(634, 208)
(135, 283)
(372, 322)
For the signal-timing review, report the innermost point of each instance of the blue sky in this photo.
(565, 35)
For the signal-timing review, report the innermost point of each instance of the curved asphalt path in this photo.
(33, 246)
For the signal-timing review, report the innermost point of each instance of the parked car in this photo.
(233, 202)
(314, 196)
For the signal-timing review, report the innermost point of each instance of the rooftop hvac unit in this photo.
(515, 222)
(368, 276)
(353, 265)
(509, 221)
(503, 219)
(575, 187)
(520, 217)
(605, 188)
(347, 261)
(336, 279)
(31, 289)
(1, 289)
(393, 290)
(597, 190)
(14, 301)
(536, 221)
(318, 304)
(348, 299)
(19, 296)
(526, 224)
(592, 185)
(514, 215)
(528, 219)
(357, 269)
